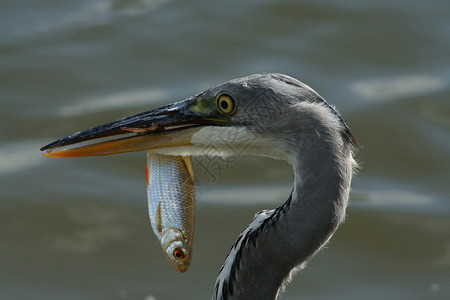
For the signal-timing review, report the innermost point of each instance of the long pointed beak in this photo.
(169, 126)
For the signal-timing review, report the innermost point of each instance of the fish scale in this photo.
(171, 204)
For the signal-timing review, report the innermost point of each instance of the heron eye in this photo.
(178, 254)
(225, 104)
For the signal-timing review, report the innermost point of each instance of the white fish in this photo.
(171, 205)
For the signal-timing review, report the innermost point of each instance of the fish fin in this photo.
(140, 130)
(146, 174)
(188, 163)
(158, 218)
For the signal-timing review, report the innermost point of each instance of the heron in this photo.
(269, 115)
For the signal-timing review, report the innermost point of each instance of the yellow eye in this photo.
(178, 254)
(225, 104)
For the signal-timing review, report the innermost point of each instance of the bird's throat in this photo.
(279, 241)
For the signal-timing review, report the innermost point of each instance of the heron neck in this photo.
(280, 241)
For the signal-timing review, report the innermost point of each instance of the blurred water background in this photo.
(78, 228)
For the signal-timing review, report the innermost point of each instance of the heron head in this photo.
(257, 114)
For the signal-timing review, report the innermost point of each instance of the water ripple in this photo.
(112, 101)
(20, 155)
(396, 87)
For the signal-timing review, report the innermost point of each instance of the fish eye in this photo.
(178, 254)
(225, 104)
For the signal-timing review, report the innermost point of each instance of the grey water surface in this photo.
(78, 228)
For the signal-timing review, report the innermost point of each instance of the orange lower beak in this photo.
(175, 138)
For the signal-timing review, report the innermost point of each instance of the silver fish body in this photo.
(171, 205)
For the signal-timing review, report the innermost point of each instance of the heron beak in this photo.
(169, 126)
